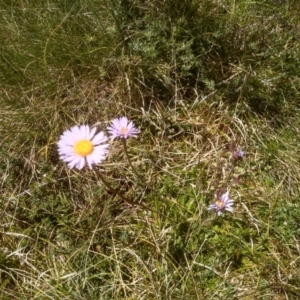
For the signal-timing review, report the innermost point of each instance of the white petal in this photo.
(81, 163)
(99, 138)
(90, 161)
(74, 162)
(224, 197)
(76, 132)
(229, 209)
(124, 122)
(92, 133)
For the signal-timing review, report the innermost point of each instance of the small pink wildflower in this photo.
(221, 204)
(122, 128)
(238, 154)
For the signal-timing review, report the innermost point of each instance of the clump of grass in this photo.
(200, 81)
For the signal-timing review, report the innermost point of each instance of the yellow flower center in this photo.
(219, 203)
(83, 147)
(124, 130)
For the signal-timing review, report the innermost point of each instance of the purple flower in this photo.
(122, 128)
(80, 145)
(238, 154)
(221, 204)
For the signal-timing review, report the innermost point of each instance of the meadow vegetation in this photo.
(200, 80)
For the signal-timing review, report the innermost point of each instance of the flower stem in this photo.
(128, 158)
(111, 189)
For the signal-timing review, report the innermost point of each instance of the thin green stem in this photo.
(111, 189)
(128, 158)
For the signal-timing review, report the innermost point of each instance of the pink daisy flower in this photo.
(221, 204)
(238, 154)
(122, 128)
(81, 145)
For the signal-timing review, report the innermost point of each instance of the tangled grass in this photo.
(200, 81)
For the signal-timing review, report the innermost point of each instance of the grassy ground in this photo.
(200, 79)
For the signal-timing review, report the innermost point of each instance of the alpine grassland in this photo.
(194, 193)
